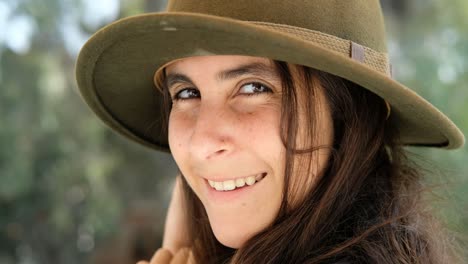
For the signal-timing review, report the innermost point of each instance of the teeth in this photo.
(212, 184)
(229, 185)
(250, 180)
(240, 182)
(218, 186)
(237, 183)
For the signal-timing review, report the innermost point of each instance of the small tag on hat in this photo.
(357, 52)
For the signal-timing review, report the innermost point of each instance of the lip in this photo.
(224, 197)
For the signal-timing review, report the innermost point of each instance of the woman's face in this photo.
(224, 131)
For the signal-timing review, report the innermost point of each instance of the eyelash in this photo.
(176, 97)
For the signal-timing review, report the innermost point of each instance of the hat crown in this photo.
(360, 21)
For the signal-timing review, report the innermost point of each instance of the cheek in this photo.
(173, 133)
(261, 128)
(261, 137)
(178, 138)
(177, 130)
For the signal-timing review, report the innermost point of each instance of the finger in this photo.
(143, 262)
(191, 258)
(181, 257)
(162, 256)
(175, 227)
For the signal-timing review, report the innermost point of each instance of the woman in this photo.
(286, 126)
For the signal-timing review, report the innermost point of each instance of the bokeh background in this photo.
(72, 191)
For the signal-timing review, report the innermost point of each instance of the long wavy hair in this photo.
(366, 207)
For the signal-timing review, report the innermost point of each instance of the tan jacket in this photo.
(164, 256)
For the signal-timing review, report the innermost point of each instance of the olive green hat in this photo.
(116, 67)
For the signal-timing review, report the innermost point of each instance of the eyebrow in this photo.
(256, 68)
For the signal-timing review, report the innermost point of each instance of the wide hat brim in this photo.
(116, 67)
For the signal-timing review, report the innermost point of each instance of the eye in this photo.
(254, 88)
(187, 93)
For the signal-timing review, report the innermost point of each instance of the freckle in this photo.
(244, 204)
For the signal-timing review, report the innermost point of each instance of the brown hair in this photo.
(365, 208)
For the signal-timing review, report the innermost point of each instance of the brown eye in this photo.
(254, 88)
(188, 93)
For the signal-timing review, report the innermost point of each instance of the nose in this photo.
(213, 132)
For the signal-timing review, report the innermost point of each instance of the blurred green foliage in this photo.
(72, 191)
(430, 51)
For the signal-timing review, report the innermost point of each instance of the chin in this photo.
(231, 239)
(233, 230)
(233, 234)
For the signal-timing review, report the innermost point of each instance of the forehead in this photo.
(214, 62)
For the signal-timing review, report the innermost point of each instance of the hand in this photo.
(164, 256)
(176, 229)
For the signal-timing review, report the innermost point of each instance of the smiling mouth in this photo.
(231, 185)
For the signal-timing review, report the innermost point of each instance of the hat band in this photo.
(378, 61)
